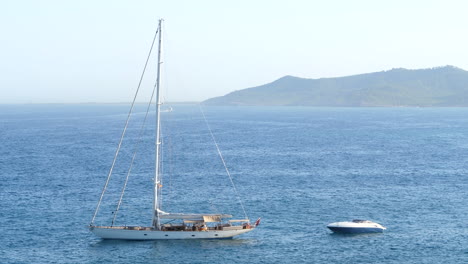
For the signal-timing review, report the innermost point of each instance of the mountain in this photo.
(441, 86)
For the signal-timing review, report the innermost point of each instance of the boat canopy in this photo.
(194, 217)
(193, 222)
(361, 221)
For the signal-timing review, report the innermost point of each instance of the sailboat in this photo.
(166, 225)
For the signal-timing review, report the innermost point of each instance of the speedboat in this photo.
(356, 226)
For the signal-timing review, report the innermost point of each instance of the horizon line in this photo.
(56, 103)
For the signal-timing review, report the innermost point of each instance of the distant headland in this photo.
(435, 87)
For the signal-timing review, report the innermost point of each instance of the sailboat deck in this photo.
(177, 228)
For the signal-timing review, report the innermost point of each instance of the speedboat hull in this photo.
(356, 227)
(149, 234)
(355, 230)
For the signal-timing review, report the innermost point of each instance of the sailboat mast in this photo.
(158, 132)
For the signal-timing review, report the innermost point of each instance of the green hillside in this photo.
(442, 86)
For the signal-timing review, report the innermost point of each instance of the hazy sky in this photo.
(94, 51)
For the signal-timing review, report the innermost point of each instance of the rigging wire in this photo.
(224, 163)
(133, 157)
(169, 151)
(124, 131)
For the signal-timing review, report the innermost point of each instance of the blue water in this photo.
(298, 168)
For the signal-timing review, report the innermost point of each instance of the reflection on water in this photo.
(356, 235)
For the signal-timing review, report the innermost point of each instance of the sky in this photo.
(70, 51)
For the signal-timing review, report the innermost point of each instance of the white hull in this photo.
(356, 226)
(126, 234)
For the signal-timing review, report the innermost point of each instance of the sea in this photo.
(296, 168)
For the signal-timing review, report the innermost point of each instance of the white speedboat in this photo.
(356, 226)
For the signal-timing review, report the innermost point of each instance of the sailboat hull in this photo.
(127, 234)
